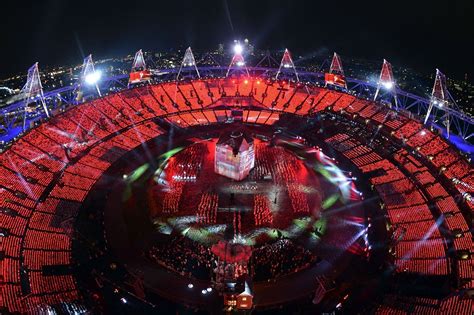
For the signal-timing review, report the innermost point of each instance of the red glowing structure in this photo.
(336, 73)
(287, 65)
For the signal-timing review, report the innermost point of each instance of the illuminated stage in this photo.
(234, 155)
(296, 207)
(280, 189)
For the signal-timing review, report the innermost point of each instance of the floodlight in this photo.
(388, 85)
(238, 49)
(93, 78)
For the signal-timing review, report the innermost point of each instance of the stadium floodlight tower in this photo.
(89, 75)
(188, 63)
(139, 72)
(238, 62)
(440, 98)
(336, 65)
(32, 91)
(387, 82)
(336, 73)
(138, 61)
(287, 65)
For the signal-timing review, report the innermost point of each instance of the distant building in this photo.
(234, 156)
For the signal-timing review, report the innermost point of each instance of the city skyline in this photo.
(422, 36)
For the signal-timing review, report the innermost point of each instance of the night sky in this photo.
(420, 34)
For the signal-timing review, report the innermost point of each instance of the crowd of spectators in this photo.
(184, 256)
(279, 259)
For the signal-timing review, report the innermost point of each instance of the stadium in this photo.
(235, 188)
